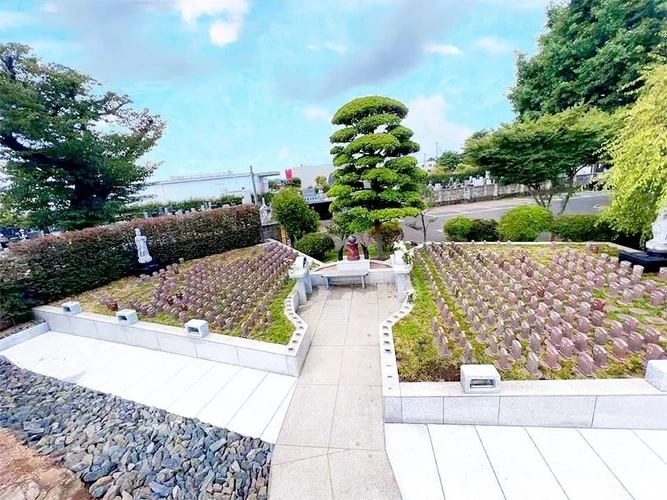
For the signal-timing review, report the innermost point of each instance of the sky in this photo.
(256, 82)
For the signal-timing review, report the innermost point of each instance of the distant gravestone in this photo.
(533, 365)
(654, 351)
(599, 356)
(581, 341)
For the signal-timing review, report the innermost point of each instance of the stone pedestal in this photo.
(401, 272)
(652, 261)
(300, 272)
(656, 374)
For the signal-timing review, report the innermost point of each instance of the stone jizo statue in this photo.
(352, 248)
(658, 243)
(142, 247)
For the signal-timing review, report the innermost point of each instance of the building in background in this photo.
(308, 173)
(430, 164)
(208, 186)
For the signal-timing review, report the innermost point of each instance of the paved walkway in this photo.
(456, 462)
(247, 401)
(332, 444)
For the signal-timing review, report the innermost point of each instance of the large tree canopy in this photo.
(592, 53)
(544, 154)
(70, 150)
(375, 180)
(449, 161)
(638, 176)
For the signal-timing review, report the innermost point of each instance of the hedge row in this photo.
(54, 267)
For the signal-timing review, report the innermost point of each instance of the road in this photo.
(584, 203)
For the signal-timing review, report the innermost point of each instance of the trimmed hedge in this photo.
(581, 227)
(316, 245)
(464, 229)
(525, 223)
(54, 267)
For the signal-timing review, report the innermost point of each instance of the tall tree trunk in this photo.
(423, 226)
(378, 242)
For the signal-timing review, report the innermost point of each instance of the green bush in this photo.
(54, 267)
(525, 223)
(317, 245)
(458, 228)
(292, 212)
(582, 227)
(484, 230)
(391, 233)
(464, 229)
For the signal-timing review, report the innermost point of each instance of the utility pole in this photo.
(436, 150)
(254, 188)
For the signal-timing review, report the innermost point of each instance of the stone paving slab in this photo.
(250, 402)
(516, 463)
(332, 444)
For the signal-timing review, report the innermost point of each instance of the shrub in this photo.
(525, 223)
(391, 232)
(458, 228)
(292, 212)
(54, 267)
(582, 227)
(464, 229)
(484, 230)
(315, 244)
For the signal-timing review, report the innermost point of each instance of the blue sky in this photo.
(255, 82)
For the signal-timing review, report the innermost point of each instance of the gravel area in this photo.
(123, 450)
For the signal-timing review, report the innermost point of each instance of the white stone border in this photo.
(284, 359)
(23, 335)
(594, 403)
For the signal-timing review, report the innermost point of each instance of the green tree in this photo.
(592, 53)
(638, 176)
(375, 179)
(293, 213)
(321, 183)
(294, 182)
(71, 151)
(545, 154)
(449, 161)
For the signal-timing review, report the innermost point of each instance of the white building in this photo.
(430, 164)
(208, 186)
(308, 173)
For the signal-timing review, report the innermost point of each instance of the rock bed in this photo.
(123, 450)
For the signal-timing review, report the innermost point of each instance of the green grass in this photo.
(416, 351)
(280, 329)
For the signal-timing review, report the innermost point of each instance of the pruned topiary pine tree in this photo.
(375, 179)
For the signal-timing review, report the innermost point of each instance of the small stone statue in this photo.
(658, 244)
(265, 213)
(142, 248)
(352, 248)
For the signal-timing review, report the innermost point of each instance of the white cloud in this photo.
(428, 120)
(494, 44)
(10, 19)
(435, 48)
(229, 17)
(341, 49)
(313, 113)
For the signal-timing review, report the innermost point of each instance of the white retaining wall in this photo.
(284, 359)
(23, 335)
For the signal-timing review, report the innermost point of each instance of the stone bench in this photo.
(349, 269)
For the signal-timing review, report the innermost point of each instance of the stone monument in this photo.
(655, 256)
(352, 248)
(265, 213)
